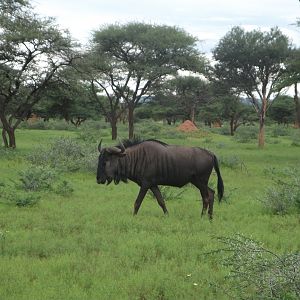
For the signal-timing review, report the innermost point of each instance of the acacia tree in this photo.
(231, 105)
(291, 77)
(94, 69)
(67, 97)
(32, 50)
(254, 62)
(136, 57)
(188, 92)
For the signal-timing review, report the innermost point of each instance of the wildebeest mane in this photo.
(121, 170)
(137, 140)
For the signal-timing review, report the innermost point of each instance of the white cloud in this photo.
(208, 20)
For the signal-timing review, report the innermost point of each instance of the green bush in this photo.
(280, 131)
(37, 178)
(63, 154)
(283, 196)
(296, 138)
(231, 161)
(246, 134)
(53, 124)
(64, 188)
(11, 194)
(25, 200)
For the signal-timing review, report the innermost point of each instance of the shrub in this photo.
(245, 134)
(296, 138)
(283, 196)
(224, 130)
(27, 199)
(258, 273)
(280, 131)
(232, 162)
(64, 188)
(10, 194)
(67, 155)
(37, 178)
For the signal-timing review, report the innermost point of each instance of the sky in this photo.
(207, 20)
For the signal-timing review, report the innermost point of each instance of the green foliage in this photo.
(52, 124)
(66, 154)
(246, 134)
(136, 57)
(283, 196)
(280, 131)
(25, 40)
(11, 194)
(256, 269)
(25, 200)
(64, 188)
(37, 178)
(282, 110)
(296, 138)
(232, 162)
(150, 129)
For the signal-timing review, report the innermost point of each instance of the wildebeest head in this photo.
(108, 162)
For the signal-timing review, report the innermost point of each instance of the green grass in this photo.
(89, 246)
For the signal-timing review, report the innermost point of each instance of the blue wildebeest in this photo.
(151, 163)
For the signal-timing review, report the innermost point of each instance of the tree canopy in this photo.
(134, 58)
(32, 50)
(253, 62)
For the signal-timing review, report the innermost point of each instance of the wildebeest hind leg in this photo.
(155, 190)
(204, 195)
(139, 199)
(211, 194)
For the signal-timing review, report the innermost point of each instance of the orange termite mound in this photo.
(187, 126)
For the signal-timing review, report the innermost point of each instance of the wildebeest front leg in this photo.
(155, 190)
(139, 199)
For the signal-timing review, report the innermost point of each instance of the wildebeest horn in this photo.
(122, 146)
(113, 150)
(99, 146)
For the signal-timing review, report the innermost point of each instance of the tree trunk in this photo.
(4, 138)
(12, 138)
(8, 133)
(11, 141)
(114, 129)
(130, 121)
(262, 116)
(192, 114)
(232, 126)
(261, 134)
(297, 107)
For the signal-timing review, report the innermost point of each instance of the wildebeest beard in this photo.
(120, 174)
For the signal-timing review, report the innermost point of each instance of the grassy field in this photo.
(87, 245)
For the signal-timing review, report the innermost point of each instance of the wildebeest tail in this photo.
(220, 180)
